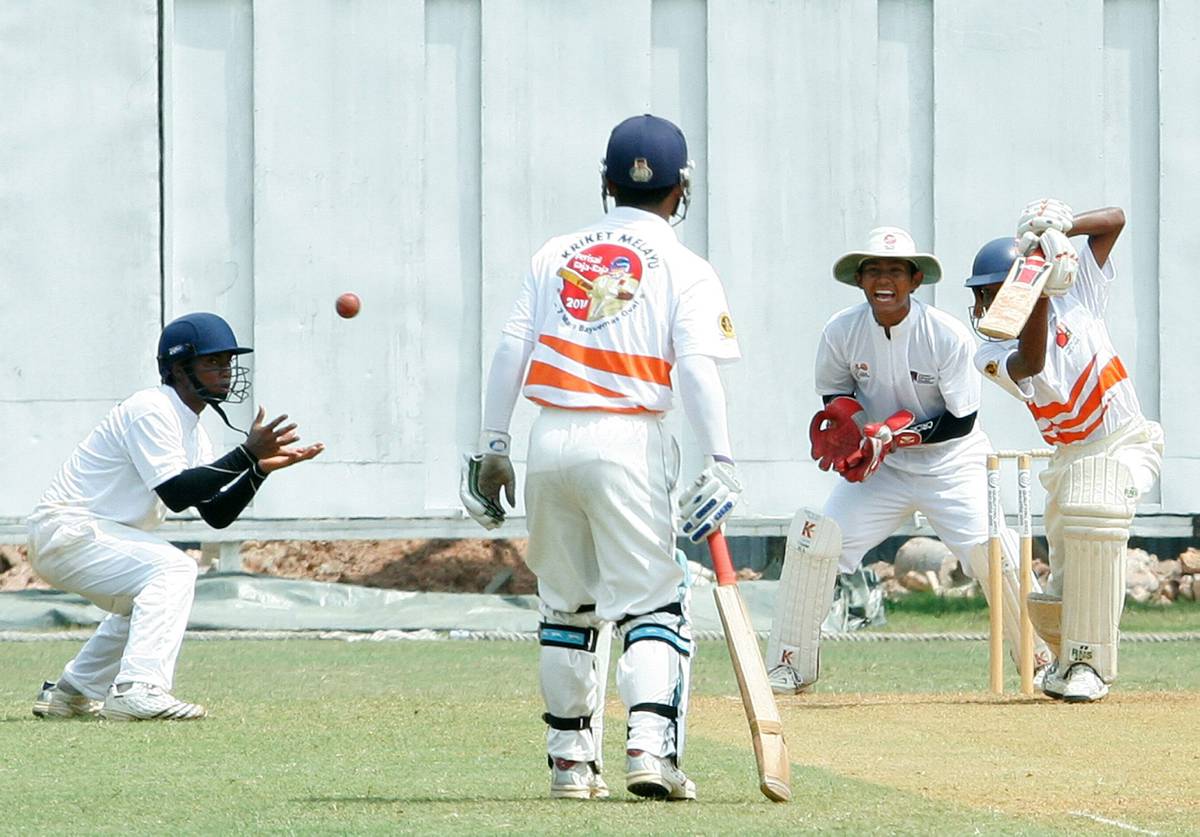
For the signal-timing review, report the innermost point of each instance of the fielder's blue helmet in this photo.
(646, 152)
(196, 335)
(992, 262)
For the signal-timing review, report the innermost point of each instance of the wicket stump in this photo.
(995, 579)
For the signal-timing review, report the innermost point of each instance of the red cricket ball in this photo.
(348, 305)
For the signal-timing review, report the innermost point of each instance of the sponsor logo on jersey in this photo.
(861, 370)
(922, 377)
(1062, 336)
(598, 282)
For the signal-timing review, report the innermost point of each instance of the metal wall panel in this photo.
(417, 152)
(1178, 290)
(79, 227)
(792, 138)
(338, 200)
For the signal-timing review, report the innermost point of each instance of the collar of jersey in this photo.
(631, 214)
(189, 418)
(914, 314)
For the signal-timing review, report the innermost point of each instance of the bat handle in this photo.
(722, 564)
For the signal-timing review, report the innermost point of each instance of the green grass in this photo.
(920, 612)
(446, 738)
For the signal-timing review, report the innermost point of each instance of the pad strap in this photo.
(661, 633)
(665, 709)
(674, 608)
(568, 636)
(577, 724)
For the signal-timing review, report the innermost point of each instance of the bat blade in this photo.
(1014, 302)
(762, 714)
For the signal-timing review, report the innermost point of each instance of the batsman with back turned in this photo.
(1063, 366)
(602, 468)
(899, 425)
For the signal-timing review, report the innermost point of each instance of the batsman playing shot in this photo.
(1063, 366)
(899, 425)
(602, 468)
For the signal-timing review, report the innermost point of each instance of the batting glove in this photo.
(483, 477)
(1064, 262)
(1045, 214)
(709, 500)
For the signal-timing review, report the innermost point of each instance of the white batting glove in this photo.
(1064, 261)
(709, 500)
(484, 475)
(1045, 214)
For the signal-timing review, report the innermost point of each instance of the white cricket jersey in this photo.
(144, 441)
(1083, 393)
(610, 308)
(924, 367)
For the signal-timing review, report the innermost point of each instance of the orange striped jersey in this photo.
(1084, 392)
(610, 308)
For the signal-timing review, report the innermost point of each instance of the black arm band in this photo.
(195, 485)
(827, 398)
(945, 427)
(221, 510)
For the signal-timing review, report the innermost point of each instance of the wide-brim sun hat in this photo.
(887, 243)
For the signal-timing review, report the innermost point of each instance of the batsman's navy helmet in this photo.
(646, 152)
(992, 262)
(192, 336)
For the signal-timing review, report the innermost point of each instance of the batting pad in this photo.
(573, 671)
(805, 594)
(1010, 560)
(1045, 612)
(1097, 497)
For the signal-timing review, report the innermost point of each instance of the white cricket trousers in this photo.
(145, 584)
(598, 505)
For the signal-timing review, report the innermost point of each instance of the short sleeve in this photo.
(703, 325)
(155, 445)
(958, 380)
(832, 374)
(1092, 283)
(991, 359)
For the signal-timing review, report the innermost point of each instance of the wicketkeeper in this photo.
(1065, 369)
(899, 425)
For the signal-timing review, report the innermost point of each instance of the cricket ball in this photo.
(348, 305)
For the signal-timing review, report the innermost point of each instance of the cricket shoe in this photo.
(1083, 685)
(785, 680)
(1053, 683)
(144, 702)
(54, 702)
(575, 780)
(655, 777)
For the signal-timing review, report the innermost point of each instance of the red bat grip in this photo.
(722, 564)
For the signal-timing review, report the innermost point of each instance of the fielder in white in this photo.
(1064, 367)
(91, 533)
(602, 469)
(899, 424)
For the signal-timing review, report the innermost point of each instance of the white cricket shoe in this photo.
(1053, 683)
(1084, 685)
(656, 778)
(785, 680)
(143, 702)
(54, 702)
(575, 780)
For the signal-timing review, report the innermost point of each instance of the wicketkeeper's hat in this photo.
(887, 243)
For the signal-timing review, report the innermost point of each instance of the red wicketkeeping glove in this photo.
(879, 439)
(835, 431)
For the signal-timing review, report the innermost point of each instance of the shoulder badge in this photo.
(991, 368)
(726, 324)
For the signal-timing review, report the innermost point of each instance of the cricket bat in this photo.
(766, 728)
(1014, 302)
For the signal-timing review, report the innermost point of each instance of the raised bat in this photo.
(1014, 302)
(766, 728)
